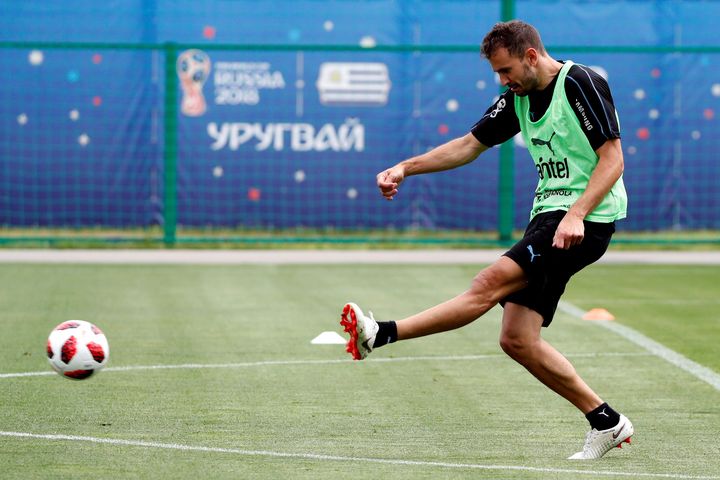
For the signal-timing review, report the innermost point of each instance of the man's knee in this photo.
(497, 281)
(515, 346)
(485, 285)
(520, 340)
(522, 350)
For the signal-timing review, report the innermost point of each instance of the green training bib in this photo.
(563, 158)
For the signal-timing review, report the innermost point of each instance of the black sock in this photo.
(386, 334)
(603, 417)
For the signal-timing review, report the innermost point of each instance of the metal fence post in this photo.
(506, 180)
(170, 154)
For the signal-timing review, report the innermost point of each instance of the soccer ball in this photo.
(76, 349)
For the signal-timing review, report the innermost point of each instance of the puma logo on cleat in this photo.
(540, 142)
(532, 253)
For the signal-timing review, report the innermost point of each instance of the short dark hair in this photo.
(516, 36)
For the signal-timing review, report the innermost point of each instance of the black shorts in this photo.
(549, 269)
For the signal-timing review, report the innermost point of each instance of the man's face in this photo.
(518, 74)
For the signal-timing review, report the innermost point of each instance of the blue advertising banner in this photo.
(293, 136)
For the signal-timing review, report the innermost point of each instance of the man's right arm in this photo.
(495, 127)
(452, 154)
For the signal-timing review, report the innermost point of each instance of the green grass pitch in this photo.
(257, 400)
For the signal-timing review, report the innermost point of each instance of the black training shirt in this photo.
(589, 96)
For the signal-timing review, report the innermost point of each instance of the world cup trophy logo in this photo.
(193, 69)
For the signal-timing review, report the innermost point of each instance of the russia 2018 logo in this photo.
(193, 69)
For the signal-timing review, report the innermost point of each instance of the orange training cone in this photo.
(598, 314)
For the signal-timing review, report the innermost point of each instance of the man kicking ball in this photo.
(566, 115)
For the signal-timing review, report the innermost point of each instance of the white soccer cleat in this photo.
(362, 331)
(599, 442)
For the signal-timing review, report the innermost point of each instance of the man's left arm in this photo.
(571, 230)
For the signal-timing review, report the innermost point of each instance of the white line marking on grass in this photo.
(337, 458)
(695, 369)
(270, 363)
(27, 374)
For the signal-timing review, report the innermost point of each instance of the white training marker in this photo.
(328, 338)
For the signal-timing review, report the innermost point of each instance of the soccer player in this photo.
(567, 118)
